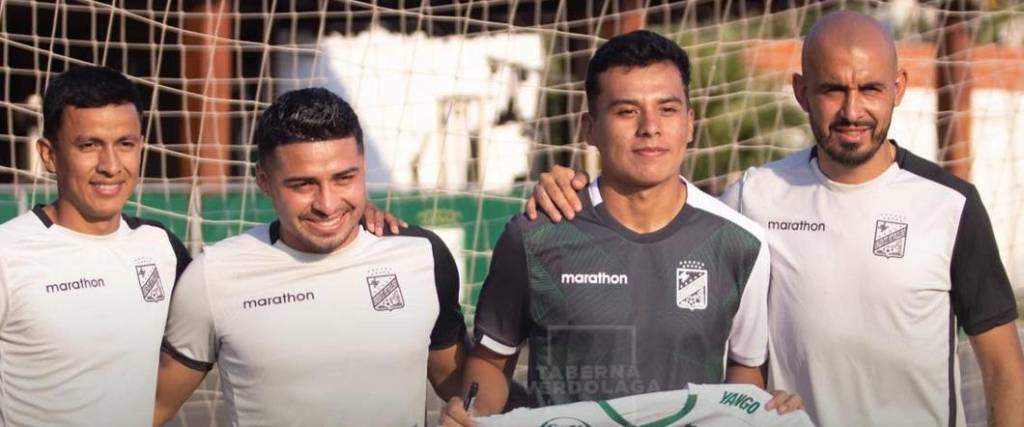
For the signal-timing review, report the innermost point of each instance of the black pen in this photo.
(470, 396)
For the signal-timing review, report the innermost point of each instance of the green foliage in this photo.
(742, 117)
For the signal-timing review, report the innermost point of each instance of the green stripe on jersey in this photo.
(691, 401)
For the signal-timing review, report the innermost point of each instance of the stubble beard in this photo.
(847, 154)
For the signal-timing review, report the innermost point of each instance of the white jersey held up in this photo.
(303, 339)
(718, 405)
(81, 318)
(870, 283)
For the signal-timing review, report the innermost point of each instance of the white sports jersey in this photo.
(318, 339)
(719, 405)
(869, 283)
(81, 318)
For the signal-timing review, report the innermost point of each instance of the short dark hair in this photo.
(86, 86)
(305, 115)
(639, 48)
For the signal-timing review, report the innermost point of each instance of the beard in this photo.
(847, 154)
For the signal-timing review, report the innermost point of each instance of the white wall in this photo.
(420, 99)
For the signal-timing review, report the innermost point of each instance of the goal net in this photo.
(464, 103)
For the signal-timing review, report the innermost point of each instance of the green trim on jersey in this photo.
(691, 402)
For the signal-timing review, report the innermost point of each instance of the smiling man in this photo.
(653, 286)
(84, 289)
(878, 256)
(866, 307)
(311, 319)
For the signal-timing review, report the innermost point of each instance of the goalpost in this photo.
(463, 103)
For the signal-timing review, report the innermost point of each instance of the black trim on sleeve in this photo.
(503, 309)
(180, 251)
(274, 232)
(196, 365)
(41, 214)
(980, 291)
(450, 326)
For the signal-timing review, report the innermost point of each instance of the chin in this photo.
(326, 243)
(318, 245)
(653, 180)
(101, 213)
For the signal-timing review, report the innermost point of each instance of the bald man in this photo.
(878, 256)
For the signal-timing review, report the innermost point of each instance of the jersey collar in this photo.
(274, 238)
(601, 211)
(41, 215)
(885, 177)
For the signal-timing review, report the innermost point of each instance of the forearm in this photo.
(492, 391)
(168, 402)
(449, 387)
(1002, 372)
(736, 373)
(1004, 393)
(445, 369)
(175, 383)
(163, 413)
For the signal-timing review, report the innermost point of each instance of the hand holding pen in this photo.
(457, 412)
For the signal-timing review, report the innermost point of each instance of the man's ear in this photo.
(689, 125)
(587, 127)
(48, 153)
(262, 179)
(901, 85)
(799, 86)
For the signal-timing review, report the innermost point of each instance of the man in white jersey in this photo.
(84, 289)
(877, 255)
(313, 320)
(712, 405)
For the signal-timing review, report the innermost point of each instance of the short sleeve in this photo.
(190, 337)
(180, 253)
(502, 313)
(748, 338)
(981, 292)
(732, 195)
(450, 326)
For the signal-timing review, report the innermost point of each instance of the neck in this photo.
(63, 214)
(644, 210)
(873, 168)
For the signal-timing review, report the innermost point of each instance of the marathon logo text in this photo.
(801, 225)
(285, 298)
(599, 278)
(83, 283)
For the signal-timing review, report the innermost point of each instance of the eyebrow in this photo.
(830, 86)
(632, 101)
(85, 138)
(304, 179)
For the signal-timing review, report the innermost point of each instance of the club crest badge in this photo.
(385, 293)
(890, 238)
(692, 285)
(149, 281)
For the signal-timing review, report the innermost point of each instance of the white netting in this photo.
(465, 102)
